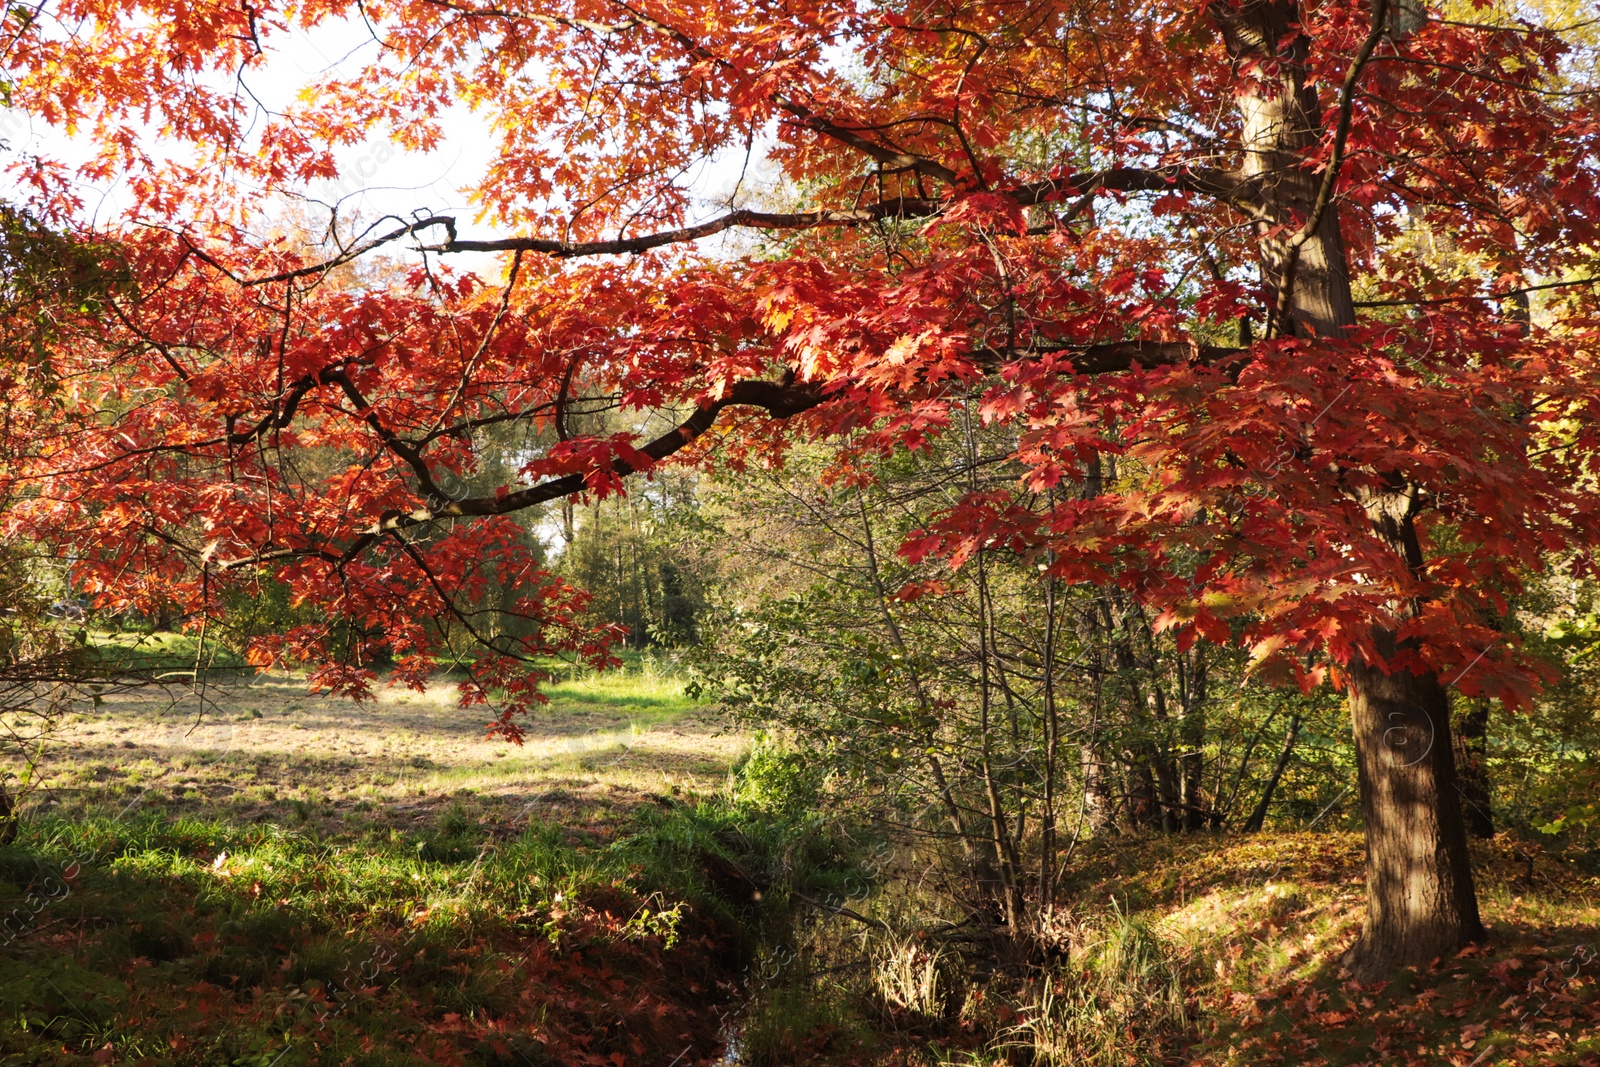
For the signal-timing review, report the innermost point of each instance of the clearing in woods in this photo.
(265, 750)
(289, 879)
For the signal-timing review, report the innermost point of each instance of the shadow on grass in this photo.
(1526, 996)
(192, 941)
(205, 942)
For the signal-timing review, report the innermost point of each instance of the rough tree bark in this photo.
(1420, 897)
(1302, 260)
(1144, 806)
(1099, 806)
(1153, 792)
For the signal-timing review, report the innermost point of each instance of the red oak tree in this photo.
(1137, 231)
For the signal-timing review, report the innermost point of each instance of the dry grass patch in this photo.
(259, 747)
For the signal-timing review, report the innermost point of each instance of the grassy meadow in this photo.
(256, 747)
(289, 879)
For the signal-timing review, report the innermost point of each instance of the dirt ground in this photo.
(264, 749)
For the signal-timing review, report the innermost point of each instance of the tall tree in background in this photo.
(1134, 232)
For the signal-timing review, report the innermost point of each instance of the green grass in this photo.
(643, 683)
(270, 929)
(234, 916)
(163, 650)
(265, 750)
(648, 695)
(466, 938)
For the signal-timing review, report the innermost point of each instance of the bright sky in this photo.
(377, 177)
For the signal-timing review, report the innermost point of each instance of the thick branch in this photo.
(893, 158)
(781, 401)
(1123, 355)
(759, 220)
(1521, 290)
(1341, 135)
(364, 412)
(1223, 185)
(354, 252)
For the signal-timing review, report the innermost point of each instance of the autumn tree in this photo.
(1158, 242)
(54, 289)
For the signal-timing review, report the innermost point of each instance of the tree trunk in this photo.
(1281, 121)
(1052, 751)
(1099, 807)
(1420, 899)
(1258, 817)
(1152, 782)
(1144, 808)
(8, 817)
(1168, 790)
(1472, 775)
(1192, 729)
